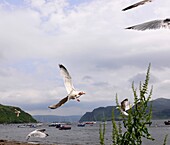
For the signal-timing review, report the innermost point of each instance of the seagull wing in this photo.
(67, 78)
(136, 5)
(155, 24)
(36, 133)
(124, 113)
(64, 100)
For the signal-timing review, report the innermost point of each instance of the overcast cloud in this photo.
(89, 39)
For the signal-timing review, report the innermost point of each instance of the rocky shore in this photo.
(6, 142)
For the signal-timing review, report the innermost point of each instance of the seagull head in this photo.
(81, 93)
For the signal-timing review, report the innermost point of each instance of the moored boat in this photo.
(91, 122)
(64, 127)
(56, 124)
(167, 122)
(27, 125)
(81, 124)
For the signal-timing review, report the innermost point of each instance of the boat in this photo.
(27, 125)
(167, 122)
(64, 127)
(60, 124)
(39, 124)
(56, 124)
(53, 124)
(91, 122)
(81, 124)
(22, 126)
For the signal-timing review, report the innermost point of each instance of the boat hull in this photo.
(167, 122)
(64, 127)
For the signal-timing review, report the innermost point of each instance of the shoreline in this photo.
(13, 142)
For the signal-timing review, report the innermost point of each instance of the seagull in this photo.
(155, 24)
(37, 133)
(125, 105)
(136, 4)
(17, 112)
(72, 92)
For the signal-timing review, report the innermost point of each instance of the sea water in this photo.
(88, 135)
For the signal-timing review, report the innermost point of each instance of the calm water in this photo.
(88, 135)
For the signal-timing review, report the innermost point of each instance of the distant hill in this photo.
(101, 114)
(7, 115)
(54, 118)
(160, 110)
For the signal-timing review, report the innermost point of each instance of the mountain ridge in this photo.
(160, 110)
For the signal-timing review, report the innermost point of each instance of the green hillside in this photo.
(160, 110)
(7, 115)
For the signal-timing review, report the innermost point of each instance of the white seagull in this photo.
(40, 133)
(155, 24)
(72, 92)
(17, 112)
(125, 105)
(136, 4)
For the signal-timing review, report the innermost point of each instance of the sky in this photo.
(89, 38)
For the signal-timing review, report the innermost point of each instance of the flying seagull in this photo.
(17, 112)
(136, 4)
(125, 105)
(40, 133)
(72, 92)
(155, 24)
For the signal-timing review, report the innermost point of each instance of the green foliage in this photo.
(165, 139)
(102, 131)
(116, 132)
(139, 116)
(7, 115)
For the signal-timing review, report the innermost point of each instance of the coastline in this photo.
(13, 142)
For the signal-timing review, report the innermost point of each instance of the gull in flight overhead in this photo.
(40, 133)
(17, 112)
(136, 4)
(72, 92)
(155, 24)
(125, 105)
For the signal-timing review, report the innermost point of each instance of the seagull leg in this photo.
(78, 100)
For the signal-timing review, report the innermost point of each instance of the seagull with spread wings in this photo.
(72, 92)
(155, 24)
(40, 133)
(125, 105)
(136, 4)
(17, 112)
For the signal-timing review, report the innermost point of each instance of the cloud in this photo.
(89, 38)
(140, 77)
